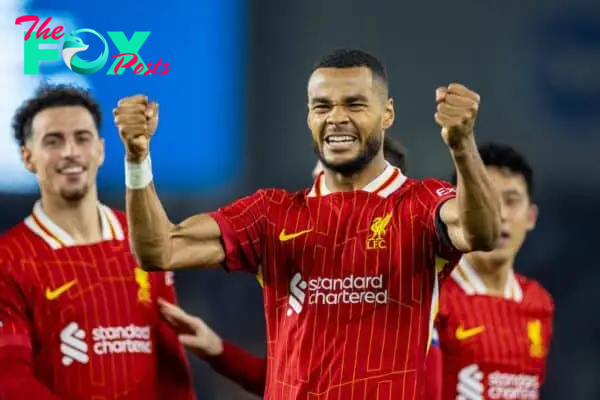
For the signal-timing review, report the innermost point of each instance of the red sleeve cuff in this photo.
(242, 367)
(229, 240)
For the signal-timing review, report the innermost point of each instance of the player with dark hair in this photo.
(78, 317)
(348, 265)
(226, 358)
(494, 325)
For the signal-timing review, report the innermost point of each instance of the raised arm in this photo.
(473, 218)
(158, 243)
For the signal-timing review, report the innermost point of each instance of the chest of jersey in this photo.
(349, 249)
(93, 293)
(494, 346)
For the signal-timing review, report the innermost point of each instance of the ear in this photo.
(388, 114)
(532, 216)
(26, 157)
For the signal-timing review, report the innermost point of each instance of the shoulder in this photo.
(434, 187)
(280, 197)
(425, 190)
(535, 294)
(17, 242)
(449, 292)
(449, 288)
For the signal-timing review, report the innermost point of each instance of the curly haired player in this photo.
(78, 317)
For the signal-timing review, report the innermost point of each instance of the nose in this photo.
(70, 149)
(503, 211)
(337, 116)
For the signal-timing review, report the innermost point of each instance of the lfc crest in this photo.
(376, 239)
(143, 280)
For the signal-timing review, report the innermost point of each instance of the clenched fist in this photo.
(136, 118)
(457, 109)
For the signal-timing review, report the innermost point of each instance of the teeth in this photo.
(72, 170)
(340, 139)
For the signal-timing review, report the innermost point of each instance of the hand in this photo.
(136, 119)
(457, 109)
(193, 332)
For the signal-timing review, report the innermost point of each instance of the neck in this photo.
(337, 182)
(493, 273)
(79, 219)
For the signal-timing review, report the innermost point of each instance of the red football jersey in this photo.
(493, 347)
(84, 316)
(349, 283)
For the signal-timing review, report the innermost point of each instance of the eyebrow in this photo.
(77, 132)
(510, 192)
(347, 99)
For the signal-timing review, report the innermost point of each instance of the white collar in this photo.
(468, 280)
(390, 180)
(57, 238)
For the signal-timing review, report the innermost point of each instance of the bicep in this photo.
(196, 243)
(448, 214)
(231, 236)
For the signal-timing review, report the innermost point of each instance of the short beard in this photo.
(72, 196)
(351, 167)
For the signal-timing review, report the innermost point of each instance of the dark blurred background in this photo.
(233, 119)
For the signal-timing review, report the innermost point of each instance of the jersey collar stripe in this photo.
(49, 227)
(57, 238)
(466, 277)
(31, 223)
(390, 180)
(395, 184)
(117, 231)
(461, 279)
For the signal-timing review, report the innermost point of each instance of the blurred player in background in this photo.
(78, 317)
(494, 325)
(231, 361)
(348, 266)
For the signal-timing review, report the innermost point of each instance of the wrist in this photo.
(136, 158)
(217, 349)
(463, 147)
(138, 174)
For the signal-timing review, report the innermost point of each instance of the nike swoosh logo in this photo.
(464, 334)
(56, 293)
(284, 237)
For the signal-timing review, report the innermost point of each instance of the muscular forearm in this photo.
(149, 227)
(478, 206)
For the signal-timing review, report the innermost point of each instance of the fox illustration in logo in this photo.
(74, 45)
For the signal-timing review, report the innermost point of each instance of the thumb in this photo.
(152, 110)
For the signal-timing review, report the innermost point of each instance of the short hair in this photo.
(353, 58)
(394, 152)
(50, 96)
(506, 157)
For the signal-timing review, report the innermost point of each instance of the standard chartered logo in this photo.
(331, 291)
(72, 345)
(500, 385)
(105, 340)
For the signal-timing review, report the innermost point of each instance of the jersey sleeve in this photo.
(242, 367)
(15, 326)
(17, 379)
(243, 226)
(431, 195)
